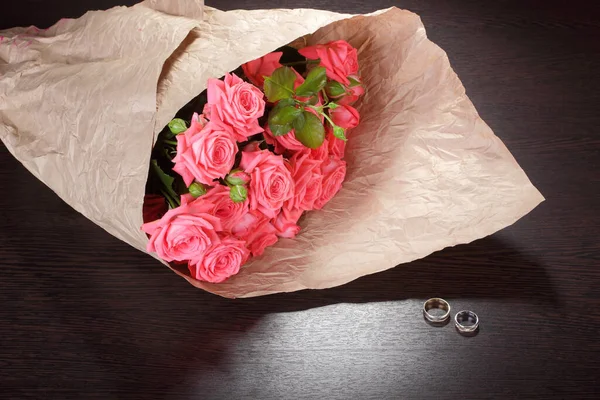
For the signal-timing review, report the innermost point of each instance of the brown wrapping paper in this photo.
(82, 102)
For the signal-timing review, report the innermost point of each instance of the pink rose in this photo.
(322, 152)
(306, 172)
(252, 146)
(256, 70)
(235, 103)
(338, 57)
(353, 93)
(334, 172)
(185, 232)
(262, 235)
(222, 260)
(284, 142)
(345, 116)
(256, 229)
(337, 147)
(248, 224)
(205, 155)
(271, 183)
(285, 223)
(224, 208)
(262, 241)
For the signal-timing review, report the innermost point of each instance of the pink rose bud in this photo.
(197, 189)
(257, 69)
(344, 116)
(354, 91)
(237, 177)
(338, 57)
(284, 142)
(238, 193)
(177, 125)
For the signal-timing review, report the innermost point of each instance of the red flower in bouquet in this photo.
(154, 207)
(235, 103)
(247, 185)
(184, 232)
(353, 92)
(308, 179)
(285, 223)
(256, 229)
(338, 57)
(336, 147)
(346, 117)
(334, 172)
(271, 183)
(222, 260)
(284, 142)
(257, 69)
(205, 155)
(228, 211)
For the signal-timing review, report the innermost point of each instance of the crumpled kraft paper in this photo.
(82, 103)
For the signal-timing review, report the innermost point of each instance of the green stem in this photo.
(172, 202)
(290, 64)
(317, 109)
(325, 96)
(328, 119)
(171, 142)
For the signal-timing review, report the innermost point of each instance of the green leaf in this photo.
(166, 181)
(177, 125)
(197, 189)
(238, 193)
(335, 89)
(333, 105)
(299, 122)
(339, 133)
(280, 85)
(353, 82)
(315, 81)
(282, 116)
(312, 132)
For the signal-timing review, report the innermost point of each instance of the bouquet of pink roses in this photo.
(240, 175)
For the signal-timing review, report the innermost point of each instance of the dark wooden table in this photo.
(84, 315)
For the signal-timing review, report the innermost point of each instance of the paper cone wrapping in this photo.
(81, 105)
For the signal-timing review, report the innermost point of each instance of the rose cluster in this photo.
(255, 160)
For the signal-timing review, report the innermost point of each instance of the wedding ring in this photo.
(436, 303)
(466, 316)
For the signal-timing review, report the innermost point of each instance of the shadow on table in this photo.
(487, 268)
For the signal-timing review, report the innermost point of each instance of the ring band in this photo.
(463, 316)
(436, 303)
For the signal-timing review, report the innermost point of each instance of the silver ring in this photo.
(463, 316)
(434, 303)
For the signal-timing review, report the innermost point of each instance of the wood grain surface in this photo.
(83, 315)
